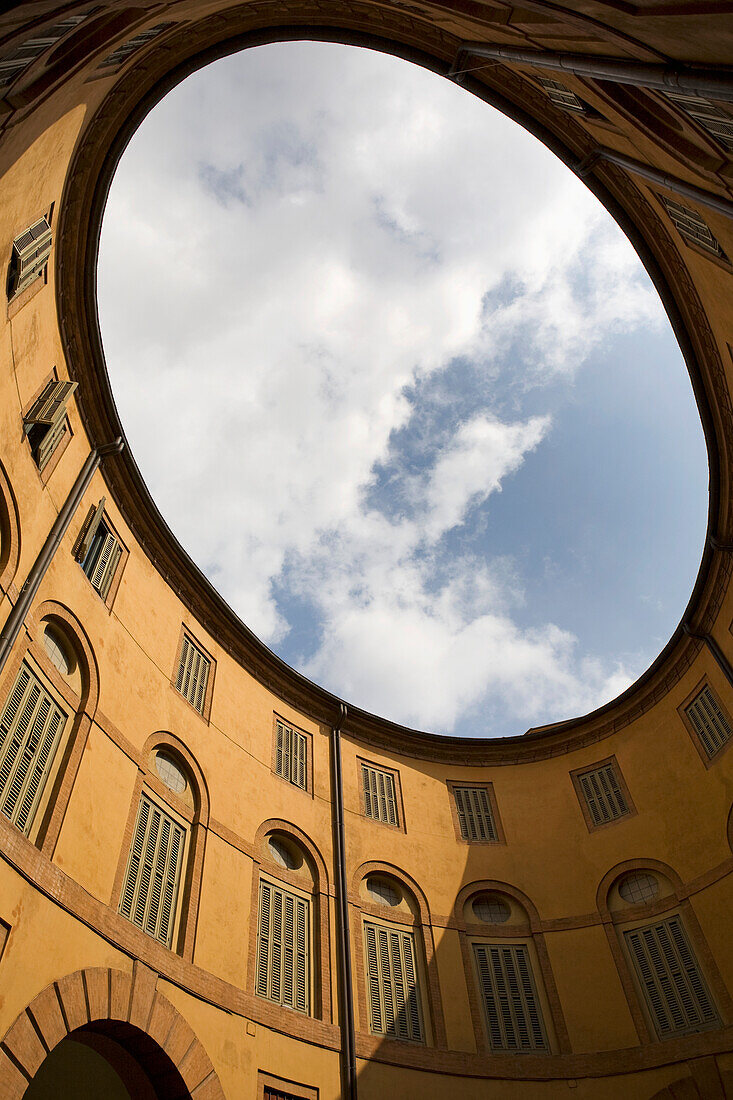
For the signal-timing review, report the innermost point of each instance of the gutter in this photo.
(346, 985)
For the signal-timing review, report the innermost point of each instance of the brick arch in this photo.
(125, 1005)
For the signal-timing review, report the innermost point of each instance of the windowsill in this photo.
(16, 303)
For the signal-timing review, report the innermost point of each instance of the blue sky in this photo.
(441, 440)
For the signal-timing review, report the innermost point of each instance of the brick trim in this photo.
(9, 533)
(283, 1084)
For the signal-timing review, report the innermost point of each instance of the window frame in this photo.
(708, 761)
(116, 578)
(538, 986)
(414, 930)
(576, 776)
(452, 785)
(308, 737)
(18, 297)
(299, 890)
(293, 1090)
(361, 763)
(44, 472)
(723, 260)
(205, 713)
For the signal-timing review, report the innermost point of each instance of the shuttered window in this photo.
(29, 256)
(100, 551)
(562, 97)
(711, 117)
(708, 721)
(603, 795)
(30, 730)
(692, 228)
(193, 674)
(45, 422)
(133, 45)
(511, 1005)
(380, 800)
(675, 991)
(394, 997)
(18, 60)
(283, 947)
(153, 875)
(291, 754)
(475, 816)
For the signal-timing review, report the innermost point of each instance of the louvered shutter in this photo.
(299, 773)
(30, 253)
(380, 800)
(708, 114)
(50, 442)
(152, 878)
(394, 997)
(291, 755)
(51, 405)
(193, 674)
(89, 530)
(30, 730)
(674, 988)
(692, 228)
(283, 948)
(709, 722)
(511, 1006)
(12, 65)
(603, 794)
(105, 581)
(475, 817)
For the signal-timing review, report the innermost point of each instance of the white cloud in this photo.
(298, 244)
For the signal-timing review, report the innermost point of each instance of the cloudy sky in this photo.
(402, 389)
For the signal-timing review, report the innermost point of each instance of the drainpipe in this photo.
(703, 81)
(14, 623)
(346, 991)
(715, 649)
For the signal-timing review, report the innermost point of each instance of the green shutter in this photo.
(89, 530)
(51, 405)
(380, 800)
(511, 1006)
(50, 442)
(394, 997)
(603, 795)
(30, 730)
(283, 948)
(152, 878)
(193, 674)
(291, 749)
(475, 818)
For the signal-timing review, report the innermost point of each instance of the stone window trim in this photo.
(316, 885)
(721, 261)
(397, 788)
(708, 761)
(186, 632)
(308, 789)
(268, 1083)
(109, 599)
(21, 297)
(196, 818)
(527, 932)
(54, 459)
(575, 776)
(451, 784)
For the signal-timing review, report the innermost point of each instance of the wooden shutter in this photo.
(394, 996)
(562, 96)
(711, 117)
(708, 722)
(603, 795)
(291, 755)
(50, 442)
(283, 948)
(14, 63)
(30, 730)
(380, 800)
(692, 228)
(50, 407)
(153, 874)
(193, 674)
(674, 988)
(475, 817)
(89, 529)
(512, 1009)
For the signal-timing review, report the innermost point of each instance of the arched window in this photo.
(671, 985)
(166, 828)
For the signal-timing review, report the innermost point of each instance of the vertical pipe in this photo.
(14, 622)
(346, 990)
(717, 652)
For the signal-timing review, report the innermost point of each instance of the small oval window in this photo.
(59, 651)
(287, 855)
(170, 772)
(638, 886)
(383, 892)
(491, 909)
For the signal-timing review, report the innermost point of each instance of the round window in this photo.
(170, 772)
(491, 909)
(59, 651)
(383, 892)
(283, 853)
(638, 886)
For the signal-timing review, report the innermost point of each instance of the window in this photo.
(476, 819)
(709, 722)
(380, 798)
(511, 1005)
(393, 994)
(98, 550)
(121, 54)
(59, 652)
(638, 887)
(153, 874)
(711, 117)
(283, 947)
(291, 754)
(602, 793)
(382, 891)
(46, 422)
(563, 98)
(491, 909)
(170, 772)
(30, 730)
(692, 228)
(20, 58)
(192, 678)
(29, 256)
(674, 989)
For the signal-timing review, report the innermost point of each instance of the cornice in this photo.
(405, 31)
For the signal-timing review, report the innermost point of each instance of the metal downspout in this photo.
(715, 649)
(703, 81)
(14, 622)
(346, 992)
